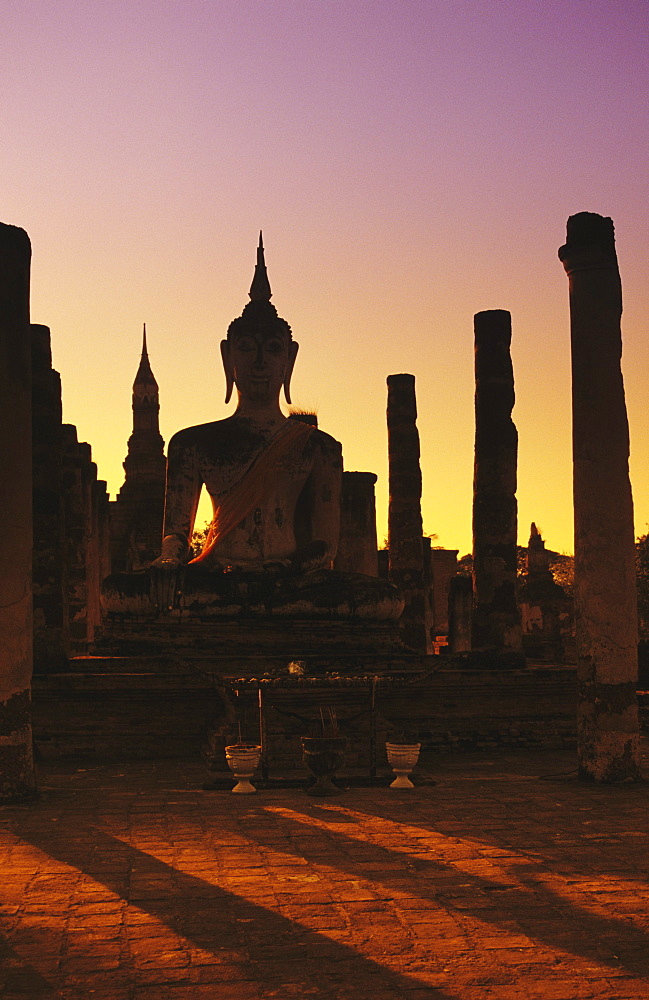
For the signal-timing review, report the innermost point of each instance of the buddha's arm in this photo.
(183, 492)
(324, 501)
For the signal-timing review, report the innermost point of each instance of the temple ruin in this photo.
(140, 649)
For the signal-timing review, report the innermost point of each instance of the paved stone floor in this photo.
(507, 879)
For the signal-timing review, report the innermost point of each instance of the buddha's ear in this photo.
(293, 348)
(228, 369)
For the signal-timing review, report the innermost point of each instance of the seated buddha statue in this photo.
(275, 484)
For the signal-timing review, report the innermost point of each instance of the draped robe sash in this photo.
(256, 484)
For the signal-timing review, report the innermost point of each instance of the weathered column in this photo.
(404, 510)
(444, 567)
(605, 586)
(357, 551)
(16, 761)
(460, 606)
(77, 506)
(429, 588)
(50, 554)
(496, 621)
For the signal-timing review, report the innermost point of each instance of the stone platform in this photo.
(279, 640)
(164, 706)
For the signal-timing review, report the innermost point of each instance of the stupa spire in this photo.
(144, 374)
(260, 287)
(136, 517)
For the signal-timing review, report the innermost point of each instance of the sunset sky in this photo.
(410, 162)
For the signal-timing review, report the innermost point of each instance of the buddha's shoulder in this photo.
(202, 435)
(325, 442)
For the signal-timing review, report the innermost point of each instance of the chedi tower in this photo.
(137, 512)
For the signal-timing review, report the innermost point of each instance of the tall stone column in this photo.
(496, 621)
(51, 642)
(357, 551)
(605, 587)
(404, 510)
(16, 761)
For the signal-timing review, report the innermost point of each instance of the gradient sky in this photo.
(410, 162)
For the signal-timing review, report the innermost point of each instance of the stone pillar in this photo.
(460, 606)
(605, 586)
(76, 500)
(404, 510)
(17, 779)
(357, 551)
(94, 561)
(496, 621)
(429, 589)
(51, 639)
(444, 567)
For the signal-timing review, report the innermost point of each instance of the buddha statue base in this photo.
(203, 595)
(254, 613)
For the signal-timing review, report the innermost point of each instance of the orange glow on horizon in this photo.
(408, 171)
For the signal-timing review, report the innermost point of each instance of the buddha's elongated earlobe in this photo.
(228, 369)
(293, 348)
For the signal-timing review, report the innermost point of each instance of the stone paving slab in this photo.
(507, 880)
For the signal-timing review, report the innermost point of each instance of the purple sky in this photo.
(410, 163)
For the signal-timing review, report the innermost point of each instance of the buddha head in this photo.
(259, 352)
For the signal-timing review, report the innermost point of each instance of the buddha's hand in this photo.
(314, 555)
(166, 574)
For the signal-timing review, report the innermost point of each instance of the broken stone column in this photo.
(357, 551)
(429, 588)
(496, 620)
(605, 585)
(77, 492)
(460, 607)
(16, 760)
(404, 510)
(51, 641)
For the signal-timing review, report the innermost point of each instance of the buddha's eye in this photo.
(273, 346)
(245, 344)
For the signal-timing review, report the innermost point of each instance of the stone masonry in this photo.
(51, 625)
(87, 539)
(16, 760)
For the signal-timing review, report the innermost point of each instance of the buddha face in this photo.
(259, 363)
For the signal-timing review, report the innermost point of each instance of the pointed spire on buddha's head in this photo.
(260, 287)
(260, 315)
(259, 319)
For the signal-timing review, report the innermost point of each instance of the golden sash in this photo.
(255, 484)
